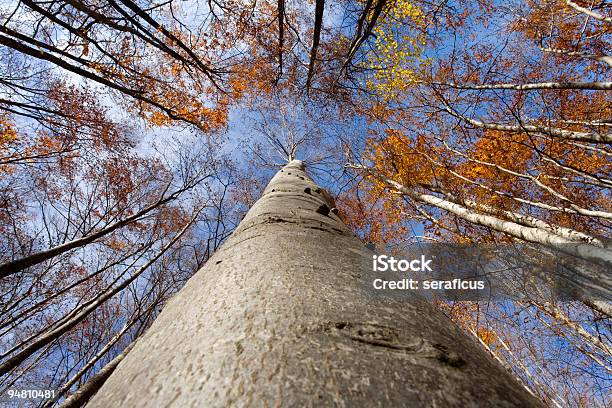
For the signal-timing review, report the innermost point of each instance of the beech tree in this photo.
(541, 178)
(134, 135)
(95, 235)
(503, 141)
(277, 315)
(145, 62)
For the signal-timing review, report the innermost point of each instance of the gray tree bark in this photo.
(278, 317)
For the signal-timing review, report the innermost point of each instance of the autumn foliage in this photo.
(134, 136)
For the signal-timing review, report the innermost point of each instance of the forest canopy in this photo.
(135, 135)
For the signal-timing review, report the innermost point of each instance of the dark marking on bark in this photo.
(449, 357)
(306, 223)
(218, 262)
(323, 209)
(307, 190)
(330, 230)
(335, 210)
(392, 339)
(232, 244)
(368, 332)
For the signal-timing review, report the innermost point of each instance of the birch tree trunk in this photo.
(277, 317)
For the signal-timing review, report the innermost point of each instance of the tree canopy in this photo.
(134, 136)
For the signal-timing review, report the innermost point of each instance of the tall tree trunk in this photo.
(278, 317)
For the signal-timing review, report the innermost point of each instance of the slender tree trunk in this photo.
(12, 267)
(535, 234)
(278, 317)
